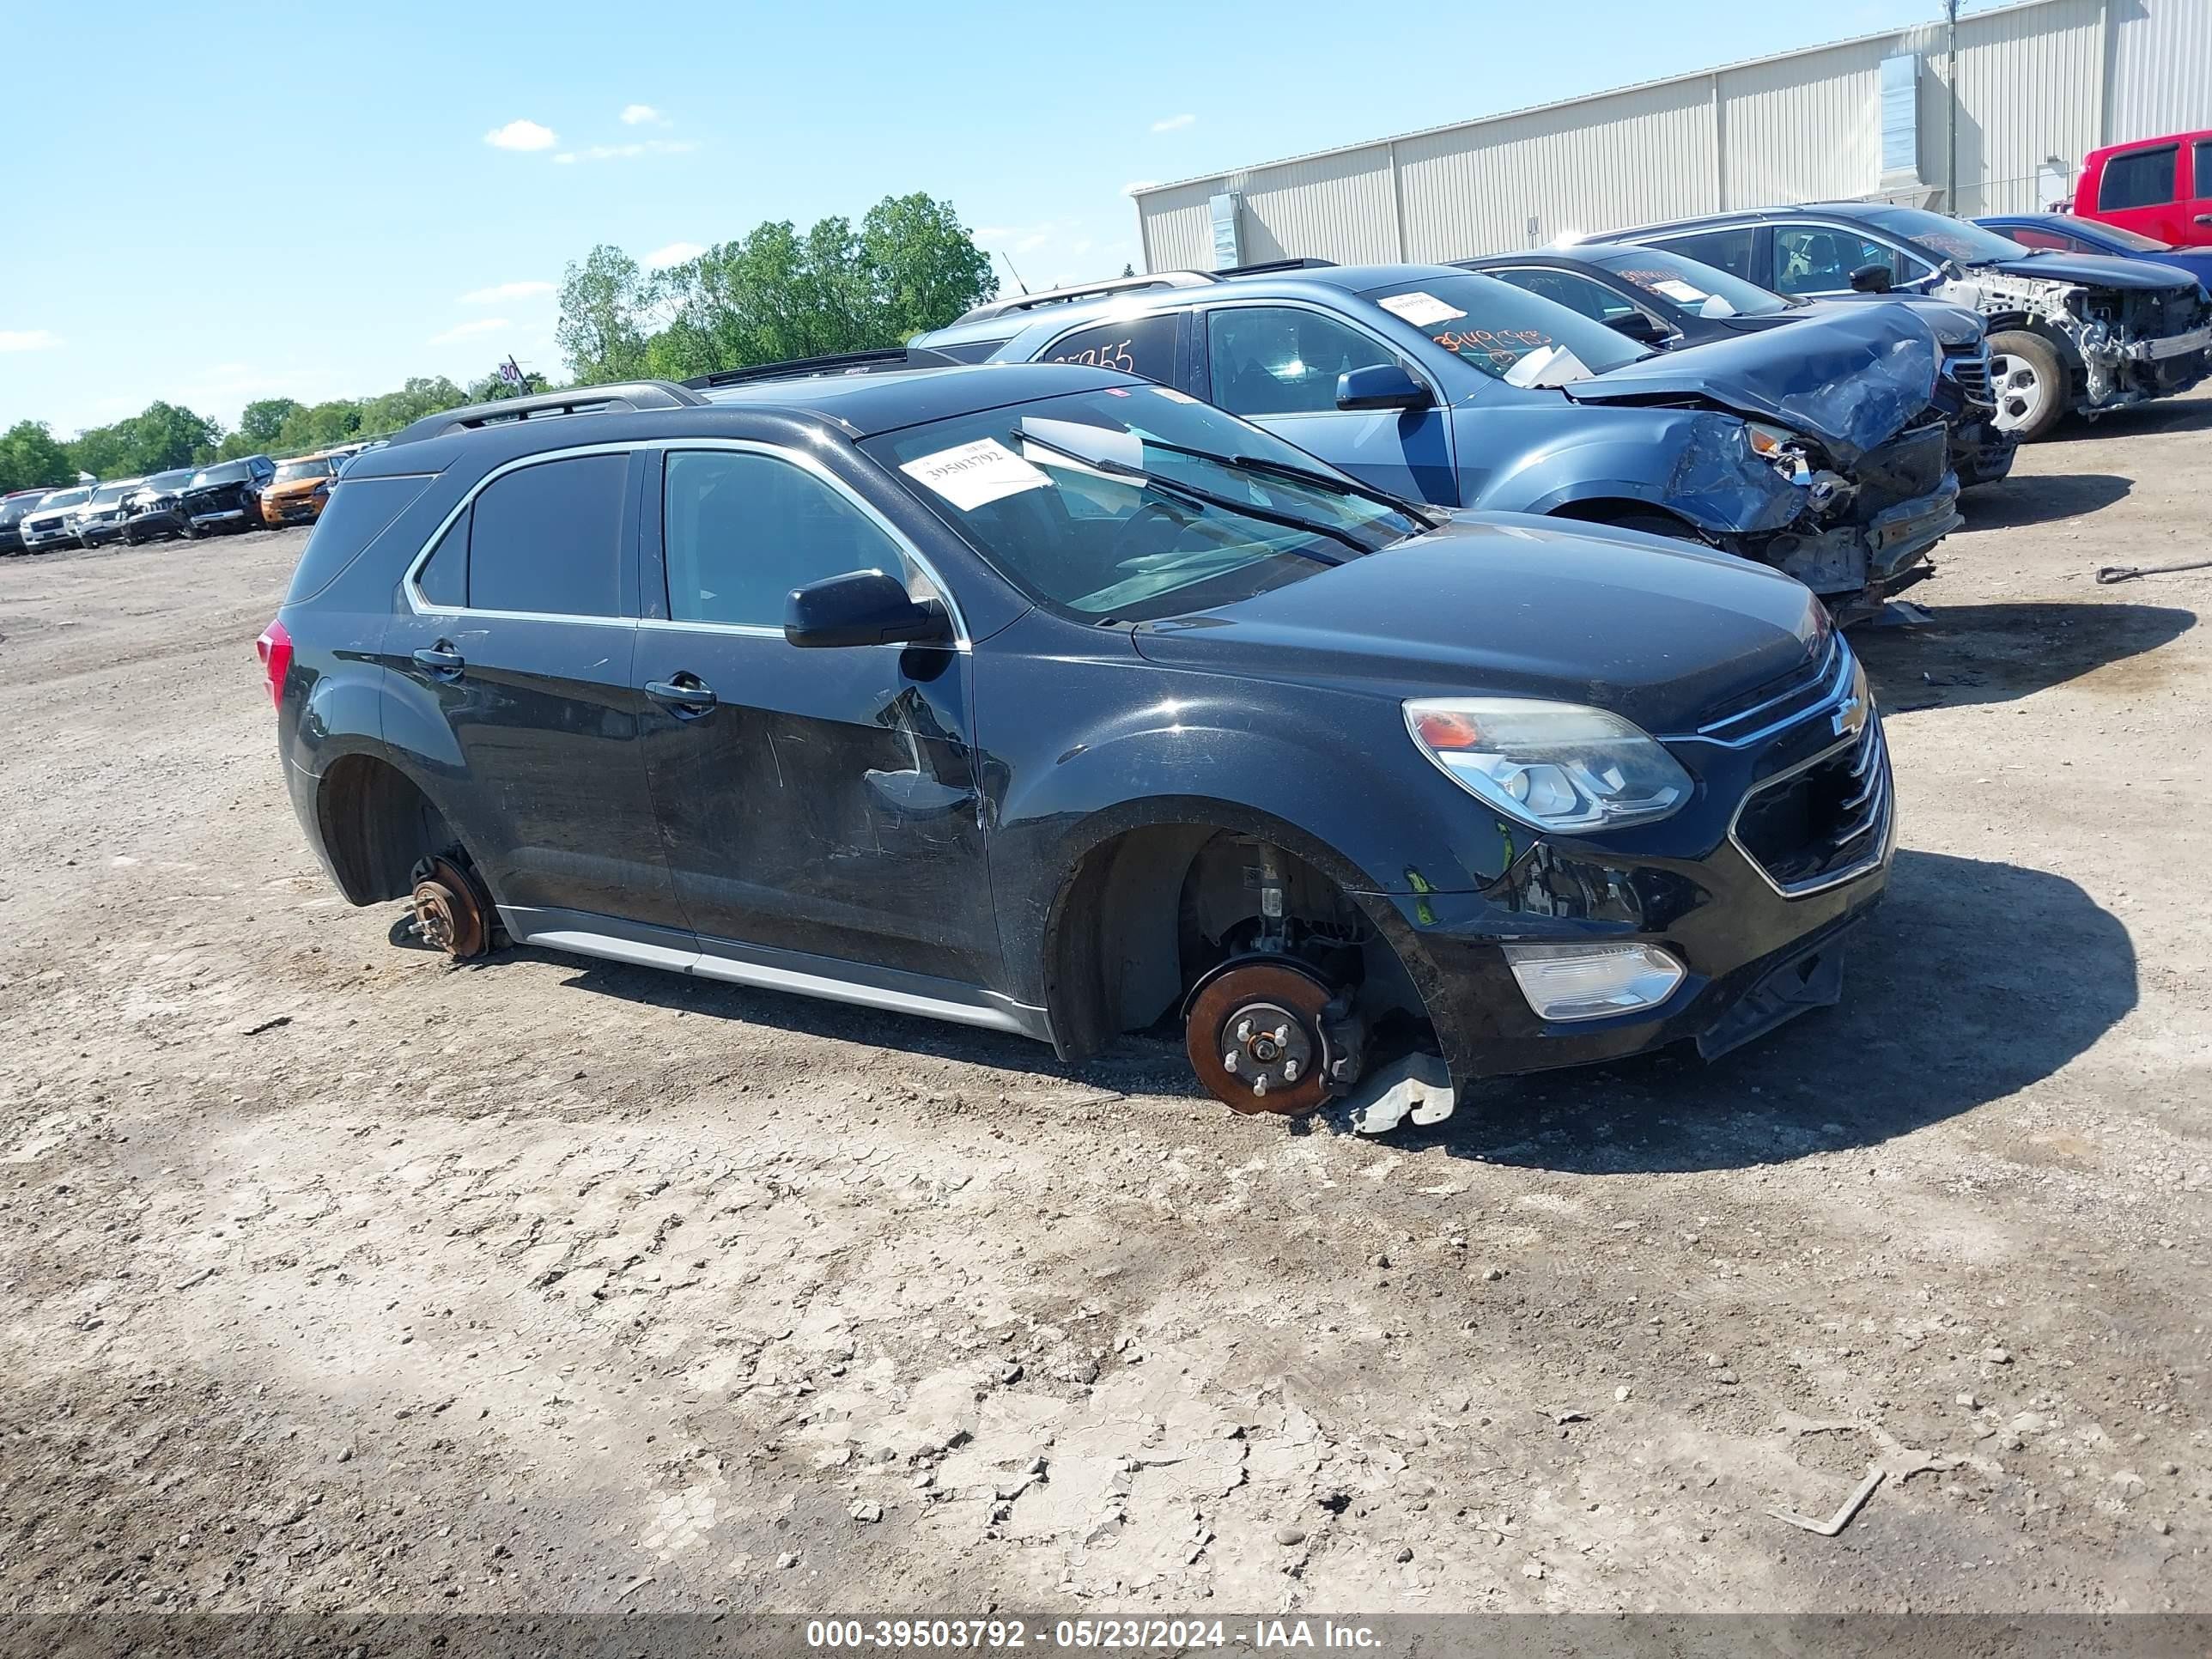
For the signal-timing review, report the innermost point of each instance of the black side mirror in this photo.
(862, 607)
(1644, 330)
(1872, 279)
(1381, 385)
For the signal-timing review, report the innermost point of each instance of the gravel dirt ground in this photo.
(333, 1277)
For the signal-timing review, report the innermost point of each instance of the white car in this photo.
(101, 518)
(53, 522)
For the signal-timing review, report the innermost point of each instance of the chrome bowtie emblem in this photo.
(1851, 715)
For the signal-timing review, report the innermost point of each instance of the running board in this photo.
(825, 978)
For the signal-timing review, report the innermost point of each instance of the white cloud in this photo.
(521, 134)
(642, 115)
(28, 339)
(566, 157)
(462, 331)
(674, 254)
(1136, 185)
(1171, 122)
(502, 291)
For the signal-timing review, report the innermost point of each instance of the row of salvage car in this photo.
(252, 492)
(1826, 431)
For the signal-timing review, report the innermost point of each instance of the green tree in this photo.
(921, 265)
(491, 388)
(29, 457)
(602, 330)
(421, 396)
(158, 437)
(261, 421)
(776, 294)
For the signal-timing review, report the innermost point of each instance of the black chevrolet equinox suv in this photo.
(1054, 702)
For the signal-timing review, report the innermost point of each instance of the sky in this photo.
(315, 202)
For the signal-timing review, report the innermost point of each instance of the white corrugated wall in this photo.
(2040, 81)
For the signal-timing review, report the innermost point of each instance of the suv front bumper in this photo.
(1757, 948)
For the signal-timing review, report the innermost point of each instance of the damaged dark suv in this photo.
(2077, 331)
(1050, 700)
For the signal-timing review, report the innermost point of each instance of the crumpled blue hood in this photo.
(2092, 270)
(1852, 379)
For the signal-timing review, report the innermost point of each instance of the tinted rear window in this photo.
(2142, 179)
(360, 510)
(548, 539)
(1723, 250)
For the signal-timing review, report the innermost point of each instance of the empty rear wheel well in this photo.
(376, 826)
(1150, 910)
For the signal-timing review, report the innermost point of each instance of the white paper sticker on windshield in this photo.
(1678, 291)
(970, 475)
(1173, 396)
(1421, 310)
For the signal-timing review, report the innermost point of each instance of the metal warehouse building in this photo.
(2039, 84)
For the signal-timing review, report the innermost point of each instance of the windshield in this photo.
(288, 471)
(1075, 534)
(170, 480)
(107, 494)
(1704, 289)
(1954, 239)
(228, 472)
(11, 510)
(67, 498)
(1507, 332)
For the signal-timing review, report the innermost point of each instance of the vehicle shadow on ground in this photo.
(2019, 502)
(2165, 415)
(1952, 998)
(1979, 653)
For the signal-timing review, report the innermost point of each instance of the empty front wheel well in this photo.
(1149, 911)
(1629, 514)
(376, 826)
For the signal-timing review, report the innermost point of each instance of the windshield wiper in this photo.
(1192, 493)
(1418, 511)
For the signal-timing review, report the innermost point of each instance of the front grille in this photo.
(1910, 465)
(1823, 823)
(1970, 370)
(1819, 678)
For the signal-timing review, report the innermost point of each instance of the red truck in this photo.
(2159, 187)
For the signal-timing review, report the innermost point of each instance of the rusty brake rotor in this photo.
(449, 912)
(1254, 1034)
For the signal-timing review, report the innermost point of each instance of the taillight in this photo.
(275, 646)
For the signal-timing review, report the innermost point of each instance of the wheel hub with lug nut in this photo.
(1254, 1035)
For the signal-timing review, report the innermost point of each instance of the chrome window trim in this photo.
(1106, 320)
(420, 605)
(411, 583)
(1413, 365)
(813, 464)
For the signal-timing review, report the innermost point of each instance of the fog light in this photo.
(1589, 981)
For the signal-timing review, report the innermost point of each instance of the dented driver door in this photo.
(822, 802)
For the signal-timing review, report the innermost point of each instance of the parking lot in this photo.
(337, 1276)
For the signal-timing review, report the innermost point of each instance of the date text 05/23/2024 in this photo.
(1110, 1635)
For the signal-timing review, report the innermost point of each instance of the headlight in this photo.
(1551, 765)
(1772, 441)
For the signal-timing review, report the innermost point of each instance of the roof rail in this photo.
(577, 400)
(1277, 264)
(1057, 297)
(836, 363)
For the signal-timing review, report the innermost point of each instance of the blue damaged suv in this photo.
(1819, 451)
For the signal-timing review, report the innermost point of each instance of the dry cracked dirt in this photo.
(333, 1277)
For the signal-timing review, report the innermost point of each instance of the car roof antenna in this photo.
(1018, 283)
